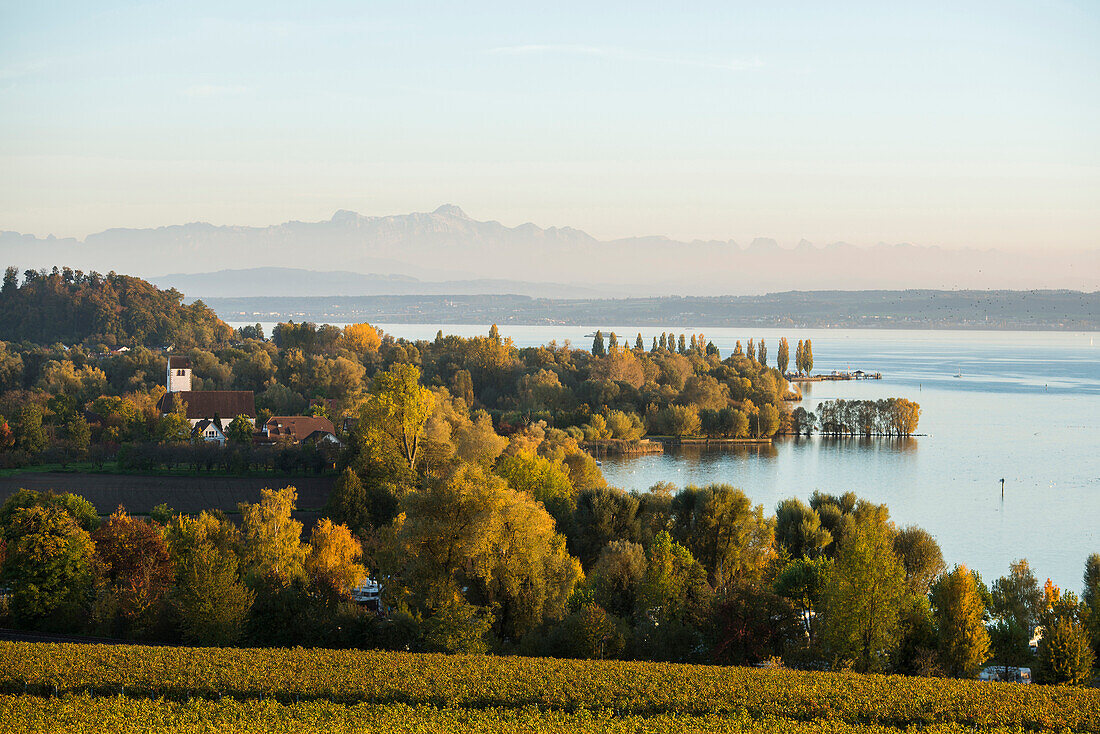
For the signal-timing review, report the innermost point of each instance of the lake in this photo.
(1026, 408)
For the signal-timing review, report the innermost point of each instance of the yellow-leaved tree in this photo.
(360, 338)
(333, 561)
(393, 414)
(271, 543)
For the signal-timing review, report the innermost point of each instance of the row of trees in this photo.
(756, 351)
(885, 417)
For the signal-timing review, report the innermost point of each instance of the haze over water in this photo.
(1026, 408)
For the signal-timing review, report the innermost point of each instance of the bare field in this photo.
(190, 495)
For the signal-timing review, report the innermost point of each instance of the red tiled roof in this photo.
(225, 404)
(297, 427)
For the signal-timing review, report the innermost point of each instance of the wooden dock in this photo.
(834, 376)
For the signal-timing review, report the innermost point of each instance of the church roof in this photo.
(226, 404)
(179, 363)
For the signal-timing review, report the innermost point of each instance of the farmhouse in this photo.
(300, 429)
(211, 407)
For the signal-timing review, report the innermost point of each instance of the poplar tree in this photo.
(783, 356)
(799, 357)
(961, 637)
(762, 354)
(683, 344)
(750, 351)
(612, 341)
(597, 345)
(737, 350)
(808, 356)
(639, 345)
(654, 349)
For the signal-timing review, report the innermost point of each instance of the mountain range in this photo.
(446, 251)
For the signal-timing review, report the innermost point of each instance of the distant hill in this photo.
(285, 282)
(448, 245)
(74, 307)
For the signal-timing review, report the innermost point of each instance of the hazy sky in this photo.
(953, 123)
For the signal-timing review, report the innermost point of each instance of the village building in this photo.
(215, 409)
(298, 429)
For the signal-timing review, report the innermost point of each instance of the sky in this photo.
(937, 123)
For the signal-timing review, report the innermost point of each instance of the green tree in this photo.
(174, 428)
(1091, 599)
(724, 531)
(616, 576)
(48, 564)
(783, 356)
(78, 433)
(271, 546)
(598, 349)
(762, 354)
(29, 432)
(808, 356)
(240, 431)
(78, 508)
(1017, 596)
(211, 603)
(602, 515)
(1010, 644)
(864, 598)
(545, 480)
(798, 529)
(921, 557)
(800, 357)
(962, 639)
(803, 582)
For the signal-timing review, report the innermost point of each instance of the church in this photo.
(208, 407)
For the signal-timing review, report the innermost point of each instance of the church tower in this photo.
(179, 374)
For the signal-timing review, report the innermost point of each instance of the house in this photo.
(300, 429)
(209, 430)
(209, 406)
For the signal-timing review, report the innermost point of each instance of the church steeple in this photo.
(179, 374)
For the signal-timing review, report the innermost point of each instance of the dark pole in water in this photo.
(1002, 488)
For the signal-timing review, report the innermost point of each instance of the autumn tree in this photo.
(360, 338)
(333, 560)
(783, 356)
(1065, 655)
(762, 354)
(393, 415)
(137, 572)
(240, 431)
(962, 639)
(271, 544)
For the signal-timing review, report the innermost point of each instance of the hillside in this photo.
(344, 690)
(73, 307)
(447, 245)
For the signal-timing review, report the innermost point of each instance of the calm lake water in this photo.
(1027, 408)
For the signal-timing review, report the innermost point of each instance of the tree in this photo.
(78, 433)
(783, 356)
(639, 345)
(808, 356)
(718, 524)
(803, 581)
(1017, 597)
(962, 639)
(174, 428)
(47, 563)
(762, 354)
(545, 480)
(29, 433)
(1010, 644)
(616, 575)
(1091, 579)
(921, 557)
(240, 431)
(210, 601)
(753, 623)
(798, 529)
(800, 357)
(603, 515)
(864, 598)
(137, 571)
(1065, 654)
(598, 349)
(472, 535)
(78, 508)
(612, 342)
(272, 545)
(393, 415)
(750, 350)
(333, 560)
(360, 338)
(494, 334)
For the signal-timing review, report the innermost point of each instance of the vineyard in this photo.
(61, 687)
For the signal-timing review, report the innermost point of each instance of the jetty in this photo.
(834, 375)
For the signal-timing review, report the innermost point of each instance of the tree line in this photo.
(514, 543)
